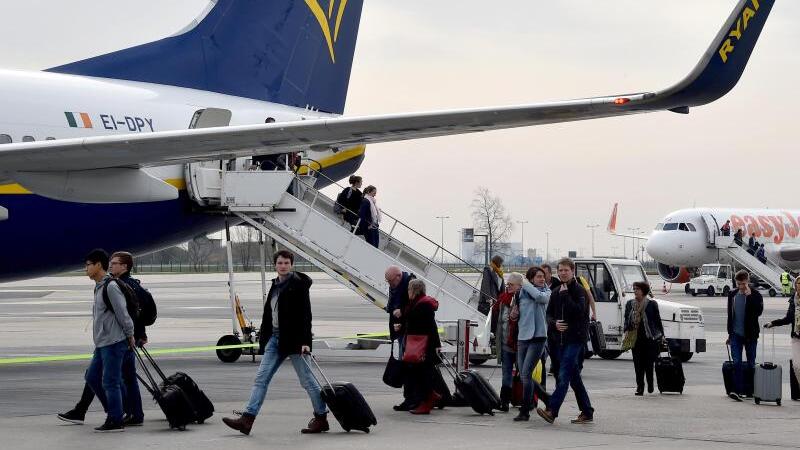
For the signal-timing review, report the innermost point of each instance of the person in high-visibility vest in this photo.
(786, 284)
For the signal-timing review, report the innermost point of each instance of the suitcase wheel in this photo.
(757, 400)
(200, 421)
(778, 402)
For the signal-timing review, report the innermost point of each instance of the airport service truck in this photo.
(714, 279)
(611, 282)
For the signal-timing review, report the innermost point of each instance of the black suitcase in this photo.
(170, 398)
(727, 376)
(794, 387)
(597, 336)
(441, 388)
(345, 401)
(669, 374)
(203, 408)
(475, 389)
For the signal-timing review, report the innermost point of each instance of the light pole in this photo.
(633, 241)
(592, 227)
(636, 232)
(547, 252)
(523, 222)
(442, 218)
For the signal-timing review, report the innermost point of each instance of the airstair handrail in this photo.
(398, 221)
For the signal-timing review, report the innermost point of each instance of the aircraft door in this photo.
(712, 227)
(204, 178)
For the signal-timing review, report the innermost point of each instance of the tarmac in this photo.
(49, 316)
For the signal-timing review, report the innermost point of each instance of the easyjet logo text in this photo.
(735, 35)
(776, 227)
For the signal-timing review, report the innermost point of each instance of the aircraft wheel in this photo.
(710, 291)
(229, 355)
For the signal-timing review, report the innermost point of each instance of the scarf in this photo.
(375, 211)
(638, 316)
(497, 269)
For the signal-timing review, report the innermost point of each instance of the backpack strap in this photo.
(106, 299)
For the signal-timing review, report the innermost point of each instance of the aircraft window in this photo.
(682, 227)
(670, 227)
(28, 139)
(270, 120)
(660, 226)
(691, 227)
(50, 138)
(5, 139)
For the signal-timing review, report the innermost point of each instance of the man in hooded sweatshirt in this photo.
(285, 333)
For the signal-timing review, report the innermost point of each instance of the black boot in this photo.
(524, 414)
(505, 398)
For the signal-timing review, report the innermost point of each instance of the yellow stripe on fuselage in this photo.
(180, 183)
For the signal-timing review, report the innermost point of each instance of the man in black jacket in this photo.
(398, 301)
(285, 332)
(568, 327)
(745, 305)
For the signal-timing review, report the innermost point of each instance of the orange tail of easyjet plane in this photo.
(612, 222)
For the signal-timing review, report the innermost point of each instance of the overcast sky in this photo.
(420, 55)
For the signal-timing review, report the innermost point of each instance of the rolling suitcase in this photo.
(768, 383)
(203, 408)
(480, 395)
(441, 388)
(597, 336)
(793, 385)
(727, 376)
(170, 398)
(345, 401)
(669, 374)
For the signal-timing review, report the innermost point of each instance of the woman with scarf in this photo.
(506, 335)
(421, 332)
(644, 333)
(792, 318)
(369, 216)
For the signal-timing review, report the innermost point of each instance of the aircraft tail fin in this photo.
(612, 222)
(724, 61)
(297, 53)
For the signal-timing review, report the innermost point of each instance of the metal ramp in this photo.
(770, 272)
(290, 210)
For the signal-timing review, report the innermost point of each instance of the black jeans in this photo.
(419, 382)
(644, 352)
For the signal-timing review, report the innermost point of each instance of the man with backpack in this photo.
(119, 267)
(349, 201)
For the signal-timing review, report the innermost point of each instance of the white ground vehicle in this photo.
(714, 279)
(611, 281)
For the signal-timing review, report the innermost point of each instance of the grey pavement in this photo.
(48, 316)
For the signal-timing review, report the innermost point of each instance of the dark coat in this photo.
(753, 307)
(571, 307)
(398, 299)
(788, 319)
(420, 318)
(294, 315)
(653, 319)
(139, 331)
(364, 216)
(352, 204)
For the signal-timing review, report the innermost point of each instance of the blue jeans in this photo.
(270, 363)
(507, 360)
(528, 354)
(105, 377)
(737, 344)
(570, 357)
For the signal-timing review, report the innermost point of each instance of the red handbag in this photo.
(415, 349)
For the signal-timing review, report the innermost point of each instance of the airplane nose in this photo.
(656, 248)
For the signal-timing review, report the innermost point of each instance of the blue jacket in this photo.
(532, 311)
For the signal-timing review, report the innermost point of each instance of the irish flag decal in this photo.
(78, 120)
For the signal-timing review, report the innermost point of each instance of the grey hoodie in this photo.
(110, 327)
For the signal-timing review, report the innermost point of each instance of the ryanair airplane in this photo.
(105, 140)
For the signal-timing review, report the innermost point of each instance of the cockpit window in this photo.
(670, 227)
(691, 227)
(5, 139)
(683, 227)
(659, 227)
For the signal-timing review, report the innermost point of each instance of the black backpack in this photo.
(131, 300)
(147, 306)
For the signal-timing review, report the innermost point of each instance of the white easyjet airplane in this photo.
(105, 140)
(680, 241)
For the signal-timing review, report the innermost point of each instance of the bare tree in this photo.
(490, 216)
(201, 248)
(245, 246)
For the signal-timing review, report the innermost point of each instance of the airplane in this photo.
(680, 241)
(92, 153)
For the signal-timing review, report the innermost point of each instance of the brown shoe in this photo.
(546, 414)
(582, 418)
(318, 424)
(243, 424)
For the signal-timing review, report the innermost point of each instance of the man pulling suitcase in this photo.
(286, 333)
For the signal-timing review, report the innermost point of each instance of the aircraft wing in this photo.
(716, 74)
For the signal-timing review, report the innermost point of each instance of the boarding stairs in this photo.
(289, 209)
(769, 273)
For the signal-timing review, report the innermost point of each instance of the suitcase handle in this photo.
(152, 386)
(153, 363)
(449, 367)
(305, 357)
